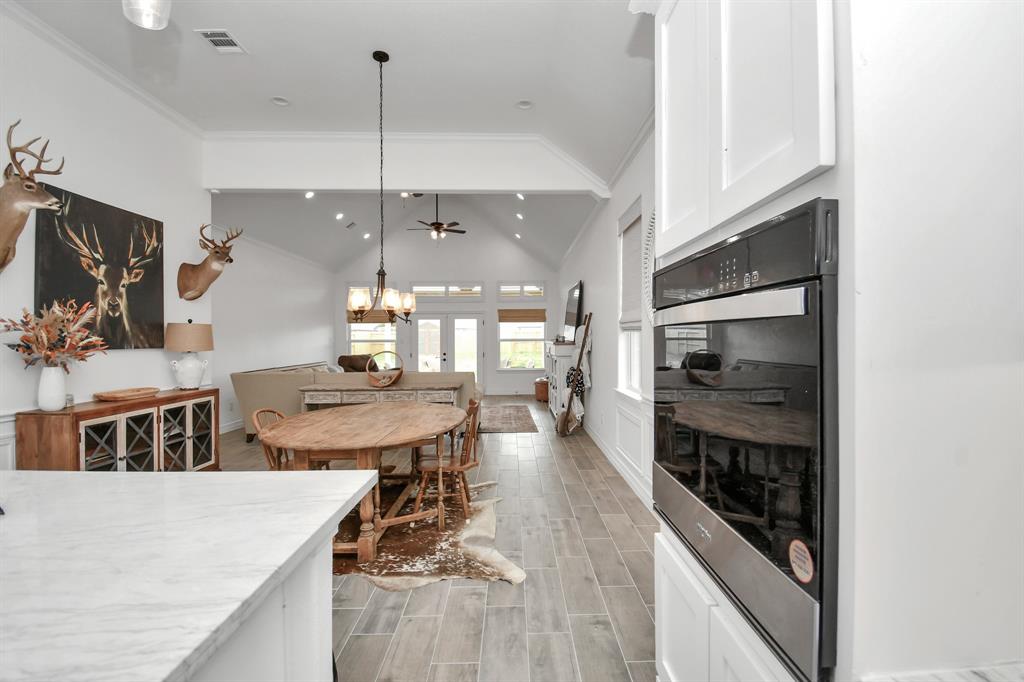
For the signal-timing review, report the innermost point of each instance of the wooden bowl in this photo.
(126, 394)
(382, 378)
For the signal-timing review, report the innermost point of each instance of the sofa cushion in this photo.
(356, 363)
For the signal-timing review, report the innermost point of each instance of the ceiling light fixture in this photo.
(310, 195)
(152, 15)
(396, 305)
(281, 101)
(214, 191)
(519, 195)
(339, 216)
(519, 215)
(366, 235)
(518, 236)
(524, 104)
(433, 235)
(404, 195)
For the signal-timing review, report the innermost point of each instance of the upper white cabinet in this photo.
(745, 108)
(772, 100)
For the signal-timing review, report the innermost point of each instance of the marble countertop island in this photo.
(141, 576)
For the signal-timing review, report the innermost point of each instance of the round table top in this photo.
(363, 427)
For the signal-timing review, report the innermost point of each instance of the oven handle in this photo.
(752, 306)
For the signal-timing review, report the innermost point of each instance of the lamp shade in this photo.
(187, 337)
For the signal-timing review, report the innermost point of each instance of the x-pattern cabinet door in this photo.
(174, 440)
(126, 442)
(202, 443)
(188, 439)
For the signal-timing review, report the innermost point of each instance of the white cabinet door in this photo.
(681, 78)
(771, 108)
(735, 653)
(683, 609)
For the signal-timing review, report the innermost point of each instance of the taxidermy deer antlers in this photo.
(20, 193)
(194, 280)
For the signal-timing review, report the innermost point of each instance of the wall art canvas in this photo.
(91, 251)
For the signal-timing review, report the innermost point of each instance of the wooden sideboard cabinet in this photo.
(175, 430)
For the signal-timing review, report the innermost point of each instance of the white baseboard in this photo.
(641, 487)
(232, 425)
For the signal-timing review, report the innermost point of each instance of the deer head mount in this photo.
(113, 321)
(195, 279)
(21, 192)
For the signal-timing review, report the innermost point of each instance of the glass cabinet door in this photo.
(202, 434)
(140, 442)
(98, 442)
(174, 437)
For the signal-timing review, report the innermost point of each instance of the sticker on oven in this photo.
(801, 561)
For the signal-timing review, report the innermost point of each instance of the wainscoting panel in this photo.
(627, 435)
(7, 442)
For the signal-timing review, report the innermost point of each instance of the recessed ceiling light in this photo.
(519, 215)
(310, 195)
(366, 235)
(214, 191)
(280, 101)
(518, 236)
(339, 216)
(404, 195)
(519, 195)
(524, 104)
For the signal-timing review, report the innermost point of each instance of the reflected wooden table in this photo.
(361, 433)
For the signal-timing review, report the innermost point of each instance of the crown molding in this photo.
(600, 191)
(51, 36)
(645, 130)
(591, 217)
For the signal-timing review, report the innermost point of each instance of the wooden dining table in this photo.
(361, 433)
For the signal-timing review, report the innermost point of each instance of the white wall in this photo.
(484, 256)
(621, 424)
(270, 308)
(119, 151)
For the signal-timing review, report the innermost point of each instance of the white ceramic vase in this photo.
(52, 389)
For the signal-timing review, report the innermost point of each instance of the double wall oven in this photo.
(746, 458)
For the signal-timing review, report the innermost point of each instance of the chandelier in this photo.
(396, 305)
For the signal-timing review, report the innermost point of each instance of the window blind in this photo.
(522, 315)
(629, 291)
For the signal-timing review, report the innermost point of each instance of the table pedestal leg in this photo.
(787, 504)
(369, 510)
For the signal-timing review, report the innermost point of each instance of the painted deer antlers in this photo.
(195, 279)
(20, 192)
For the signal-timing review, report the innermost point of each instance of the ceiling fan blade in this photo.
(452, 224)
(419, 229)
(456, 231)
(423, 223)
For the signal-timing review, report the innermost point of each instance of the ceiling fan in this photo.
(437, 228)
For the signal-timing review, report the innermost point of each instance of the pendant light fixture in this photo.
(396, 305)
(149, 14)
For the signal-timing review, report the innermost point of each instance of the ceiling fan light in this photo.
(443, 235)
(153, 15)
(433, 234)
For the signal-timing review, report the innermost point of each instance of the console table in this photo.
(176, 430)
(443, 391)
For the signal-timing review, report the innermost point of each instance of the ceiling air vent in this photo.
(221, 40)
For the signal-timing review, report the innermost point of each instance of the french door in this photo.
(448, 343)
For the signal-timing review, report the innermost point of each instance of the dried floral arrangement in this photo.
(57, 337)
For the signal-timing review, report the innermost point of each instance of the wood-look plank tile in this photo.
(508, 533)
(534, 512)
(545, 606)
(584, 463)
(529, 486)
(578, 495)
(592, 478)
(546, 465)
(504, 655)
(605, 501)
(623, 532)
(538, 551)
(579, 585)
(608, 567)
(508, 461)
(643, 671)
(382, 613)
(528, 467)
(618, 486)
(638, 511)
(597, 650)
(462, 627)
(342, 622)
(641, 568)
(408, 658)
(362, 656)
(647, 533)
(551, 482)
(354, 592)
(552, 658)
(590, 522)
(565, 536)
(453, 672)
(501, 593)
(558, 505)
(632, 622)
(508, 504)
(428, 600)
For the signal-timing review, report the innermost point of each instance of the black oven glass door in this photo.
(737, 396)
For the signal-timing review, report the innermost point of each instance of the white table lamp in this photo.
(188, 339)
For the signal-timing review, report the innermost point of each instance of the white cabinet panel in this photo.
(683, 609)
(771, 106)
(681, 75)
(734, 656)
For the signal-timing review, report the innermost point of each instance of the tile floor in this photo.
(585, 611)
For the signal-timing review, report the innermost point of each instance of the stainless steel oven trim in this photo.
(753, 305)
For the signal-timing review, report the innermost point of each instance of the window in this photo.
(469, 290)
(521, 290)
(629, 360)
(629, 272)
(428, 290)
(372, 335)
(465, 290)
(521, 335)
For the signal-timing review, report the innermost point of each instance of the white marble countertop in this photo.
(139, 576)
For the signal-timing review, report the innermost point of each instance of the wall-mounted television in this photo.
(573, 311)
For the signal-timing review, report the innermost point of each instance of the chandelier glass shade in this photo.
(397, 305)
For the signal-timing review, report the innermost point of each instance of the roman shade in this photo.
(522, 315)
(629, 270)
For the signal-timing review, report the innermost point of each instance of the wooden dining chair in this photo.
(277, 458)
(455, 465)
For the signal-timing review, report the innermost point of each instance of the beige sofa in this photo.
(278, 387)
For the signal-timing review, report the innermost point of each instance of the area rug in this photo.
(416, 554)
(506, 419)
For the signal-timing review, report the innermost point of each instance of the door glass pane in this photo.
(140, 442)
(175, 443)
(428, 345)
(99, 442)
(465, 343)
(202, 434)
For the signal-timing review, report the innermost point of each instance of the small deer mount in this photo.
(195, 279)
(21, 192)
